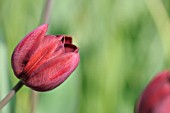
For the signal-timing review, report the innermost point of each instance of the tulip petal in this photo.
(26, 48)
(155, 93)
(49, 47)
(70, 48)
(163, 106)
(60, 37)
(53, 72)
(67, 40)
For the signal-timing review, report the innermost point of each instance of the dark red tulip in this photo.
(42, 62)
(156, 97)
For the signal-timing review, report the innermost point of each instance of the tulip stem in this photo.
(34, 101)
(46, 11)
(10, 94)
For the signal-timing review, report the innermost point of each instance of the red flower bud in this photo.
(42, 62)
(156, 96)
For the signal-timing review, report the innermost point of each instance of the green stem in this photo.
(45, 13)
(10, 94)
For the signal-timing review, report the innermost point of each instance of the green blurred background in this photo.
(123, 44)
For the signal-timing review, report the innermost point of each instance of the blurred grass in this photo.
(121, 49)
(4, 80)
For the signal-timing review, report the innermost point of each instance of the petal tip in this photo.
(44, 26)
(77, 50)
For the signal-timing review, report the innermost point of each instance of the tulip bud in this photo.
(42, 62)
(156, 96)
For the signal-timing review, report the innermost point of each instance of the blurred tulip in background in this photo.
(156, 96)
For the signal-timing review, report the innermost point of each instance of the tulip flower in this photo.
(156, 97)
(42, 62)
